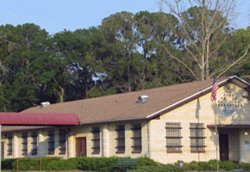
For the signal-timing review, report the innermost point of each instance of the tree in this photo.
(133, 60)
(89, 60)
(238, 41)
(200, 33)
(158, 69)
(24, 53)
(118, 62)
(78, 53)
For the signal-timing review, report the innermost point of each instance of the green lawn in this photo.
(48, 171)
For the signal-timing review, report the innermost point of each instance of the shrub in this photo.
(227, 165)
(158, 168)
(7, 164)
(114, 163)
(97, 164)
(61, 164)
(213, 164)
(210, 165)
(28, 164)
(145, 162)
(148, 165)
(245, 166)
(83, 163)
(173, 167)
(200, 166)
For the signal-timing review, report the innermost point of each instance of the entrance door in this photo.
(223, 138)
(81, 146)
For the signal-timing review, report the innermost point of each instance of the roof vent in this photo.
(45, 104)
(143, 99)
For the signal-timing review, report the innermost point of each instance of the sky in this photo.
(57, 15)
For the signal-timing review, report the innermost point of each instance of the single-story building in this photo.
(166, 124)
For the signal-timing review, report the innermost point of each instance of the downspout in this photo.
(67, 142)
(148, 135)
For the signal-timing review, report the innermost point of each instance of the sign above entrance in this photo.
(229, 101)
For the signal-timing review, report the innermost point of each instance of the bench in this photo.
(124, 164)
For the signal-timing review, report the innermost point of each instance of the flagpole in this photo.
(216, 139)
(1, 148)
(215, 87)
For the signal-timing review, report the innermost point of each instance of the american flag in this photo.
(214, 90)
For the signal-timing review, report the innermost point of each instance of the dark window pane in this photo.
(173, 137)
(10, 144)
(137, 144)
(62, 142)
(34, 141)
(25, 144)
(120, 148)
(96, 140)
(197, 137)
(51, 142)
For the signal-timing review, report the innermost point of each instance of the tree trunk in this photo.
(61, 96)
(207, 58)
(60, 92)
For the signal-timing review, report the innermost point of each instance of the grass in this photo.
(44, 171)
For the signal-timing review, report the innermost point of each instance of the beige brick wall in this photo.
(154, 145)
(199, 110)
(244, 145)
(108, 137)
(42, 146)
(128, 140)
(108, 141)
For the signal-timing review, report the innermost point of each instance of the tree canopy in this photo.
(127, 52)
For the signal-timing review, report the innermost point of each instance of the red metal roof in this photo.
(13, 118)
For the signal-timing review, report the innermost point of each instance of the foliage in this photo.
(97, 164)
(114, 163)
(192, 166)
(27, 164)
(7, 164)
(200, 33)
(236, 45)
(145, 162)
(25, 56)
(161, 168)
(227, 165)
(125, 53)
(200, 166)
(245, 166)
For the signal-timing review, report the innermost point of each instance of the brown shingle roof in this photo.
(124, 106)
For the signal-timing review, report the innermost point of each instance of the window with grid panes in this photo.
(120, 129)
(137, 144)
(96, 140)
(25, 144)
(173, 137)
(9, 144)
(34, 143)
(62, 141)
(197, 137)
(51, 142)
